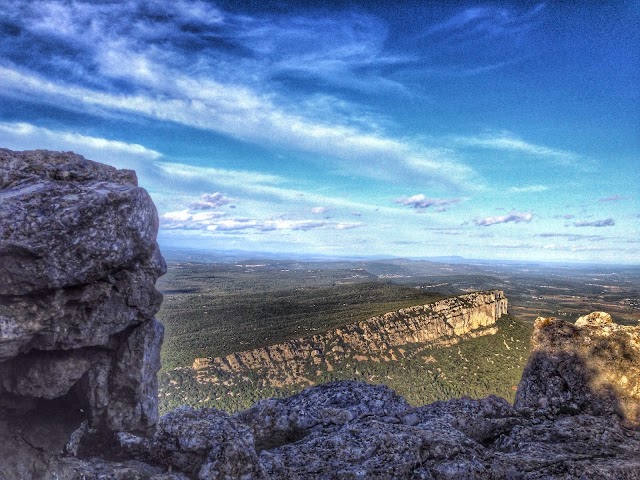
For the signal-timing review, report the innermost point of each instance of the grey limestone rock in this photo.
(323, 408)
(78, 264)
(207, 444)
(482, 420)
(67, 221)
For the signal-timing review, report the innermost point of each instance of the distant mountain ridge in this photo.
(378, 339)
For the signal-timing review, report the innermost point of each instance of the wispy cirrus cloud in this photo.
(223, 176)
(513, 217)
(507, 141)
(607, 222)
(529, 189)
(131, 58)
(264, 186)
(65, 140)
(483, 20)
(572, 237)
(247, 115)
(421, 201)
(486, 37)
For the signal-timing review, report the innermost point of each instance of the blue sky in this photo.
(506, 130)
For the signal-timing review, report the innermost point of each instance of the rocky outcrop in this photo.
(78, 341)
(591, 367)
(377, 339)
(351, 430)
(79, 351)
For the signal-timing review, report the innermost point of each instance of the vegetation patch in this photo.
(475, 367)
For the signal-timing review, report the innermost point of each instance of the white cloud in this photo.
(188, 220)
(208, 201)
(319, 210)
(218, 222)
(529, 189)
(15, 132)
(421, 201)
(513, 217)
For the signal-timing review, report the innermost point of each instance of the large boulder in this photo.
(592, 366)
(68, 221)
(78, 339)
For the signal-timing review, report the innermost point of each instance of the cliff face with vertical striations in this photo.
(379, 338)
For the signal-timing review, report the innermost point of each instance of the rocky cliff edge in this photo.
(79, 350)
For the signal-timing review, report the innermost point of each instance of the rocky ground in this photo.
(79, 351)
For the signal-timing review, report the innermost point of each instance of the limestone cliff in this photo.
(79, 350)
(379, 338)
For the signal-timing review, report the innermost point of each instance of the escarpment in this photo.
(79, 351)
(379, 338)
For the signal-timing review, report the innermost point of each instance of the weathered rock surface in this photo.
(68, 221)
(351, 430)
(78, 264)
(591, 367)
(382, 337)
(79, 350)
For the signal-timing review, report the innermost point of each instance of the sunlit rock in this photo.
(592, 366)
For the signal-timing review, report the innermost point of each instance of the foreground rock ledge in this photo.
(79, 351)
(578, 429)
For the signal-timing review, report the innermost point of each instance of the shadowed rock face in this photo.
(78, 263)
(590, 367)
(79, 350)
